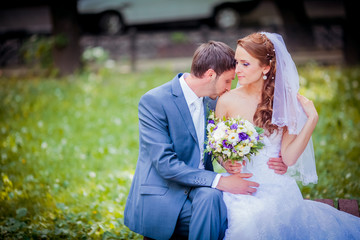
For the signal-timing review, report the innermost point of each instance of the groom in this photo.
(175, 193)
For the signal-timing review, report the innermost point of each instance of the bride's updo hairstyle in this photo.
(261, 48)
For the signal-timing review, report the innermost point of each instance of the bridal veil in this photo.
(287, 110)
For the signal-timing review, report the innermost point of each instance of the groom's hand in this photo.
(278, 165)
(237, 184)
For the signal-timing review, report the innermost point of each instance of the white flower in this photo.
(239, 147)
(227, 152)
(44, 145)
(241, 128)
(246, 150)
(233, 138)
(209, 126)
(92, 174)
(249, 126)
(221, 125)
(218, 134)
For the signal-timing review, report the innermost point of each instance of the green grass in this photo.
(68, 148)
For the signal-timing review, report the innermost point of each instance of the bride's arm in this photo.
(293, 146)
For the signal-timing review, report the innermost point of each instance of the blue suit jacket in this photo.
(168, 162)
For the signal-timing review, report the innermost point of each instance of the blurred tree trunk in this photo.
(297, 24)
(351, 33)
(66, 35)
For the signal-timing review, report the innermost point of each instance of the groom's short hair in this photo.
(212, 55)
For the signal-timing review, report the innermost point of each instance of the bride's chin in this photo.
(242, 83)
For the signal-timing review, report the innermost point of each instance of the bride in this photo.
(268, 97)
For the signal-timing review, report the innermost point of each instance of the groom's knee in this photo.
(209, 195)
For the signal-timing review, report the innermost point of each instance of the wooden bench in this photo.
(346, 205)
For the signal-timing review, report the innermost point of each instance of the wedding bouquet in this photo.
(232, 138)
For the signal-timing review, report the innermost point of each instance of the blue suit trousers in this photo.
(203, 215)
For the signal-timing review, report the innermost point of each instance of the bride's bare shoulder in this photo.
(231, 95)
(225, 97)
(226, 102)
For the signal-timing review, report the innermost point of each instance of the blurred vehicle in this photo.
(114, 16)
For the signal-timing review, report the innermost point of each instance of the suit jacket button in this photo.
(186, 192)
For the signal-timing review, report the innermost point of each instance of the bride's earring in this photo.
(264, 77)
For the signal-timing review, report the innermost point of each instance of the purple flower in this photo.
(234, 126)
(243, 136)
(211, 121)
(226, 145)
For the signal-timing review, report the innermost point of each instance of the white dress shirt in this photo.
(191, 99)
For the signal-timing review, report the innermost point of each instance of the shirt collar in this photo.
(189, 94)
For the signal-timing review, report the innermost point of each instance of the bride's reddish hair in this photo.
(261, 48)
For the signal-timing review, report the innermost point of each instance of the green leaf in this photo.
(21, 212)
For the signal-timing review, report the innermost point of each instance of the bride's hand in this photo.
(231, 167)
(308, 107)
(277, 165)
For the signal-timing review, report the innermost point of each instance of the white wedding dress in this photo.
(278, 211)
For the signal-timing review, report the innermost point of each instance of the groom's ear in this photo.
(210, 74)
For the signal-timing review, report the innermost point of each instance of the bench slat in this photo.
(349, 206)
(327, 201)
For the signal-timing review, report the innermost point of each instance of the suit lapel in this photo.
(180, 102)
(182, 106)
(209, 104)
